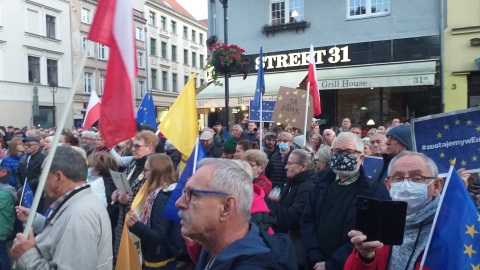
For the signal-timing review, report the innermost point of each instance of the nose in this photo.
(181, 202)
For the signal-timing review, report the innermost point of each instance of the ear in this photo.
(362, 158)
(229, 206)
(438, 186)
(3, 173)
(387, 184)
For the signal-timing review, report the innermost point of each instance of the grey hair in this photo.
(239, 127)
(305, 157)
(70, 162)
(91, 134)
(329, 131)
(318, 136)
(349, 136)
(381, 134)
(323, 154)
(432, 167)
(233, 178)
(257, 156)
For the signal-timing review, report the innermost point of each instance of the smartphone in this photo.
(382, 221)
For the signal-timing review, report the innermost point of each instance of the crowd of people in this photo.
(275, 198)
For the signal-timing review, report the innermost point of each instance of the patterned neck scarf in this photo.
(147, 208)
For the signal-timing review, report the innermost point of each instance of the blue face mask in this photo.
(283, 146)
(255, 176)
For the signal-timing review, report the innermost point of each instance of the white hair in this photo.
(239, 127)
(233, 178)
(350, 137)
(91, 134)
(329, 131)
(432, 167)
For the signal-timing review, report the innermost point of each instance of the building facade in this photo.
(35, 53)
(461, 54)
(375, 60)
(175, 50)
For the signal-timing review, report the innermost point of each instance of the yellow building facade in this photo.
(461, 76)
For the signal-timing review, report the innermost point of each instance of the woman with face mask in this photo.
(258, 160)
(275, 170)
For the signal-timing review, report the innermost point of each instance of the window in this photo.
(163, 23)
(174, 27)
(50, 26)
(140, 59)
(366, 8)
(33, 17)
(86, 15)
(185, 32)
(153, 46)
(33, 69)
(164, 80)
(185, 57)
(286, 11)
(201, 61)
(52, 71)
(88, 82)
(151, 18)
(174, 82)
(139, 34)
(174, 53)
(153, 75)
(141, 88)
(200, 39)
(164, 50)
(202, 81)
(87, 45)
(194, 59)
(194, 36)
(102, 83)
(102, 52)
(185, 79)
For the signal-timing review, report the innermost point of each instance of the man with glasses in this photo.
(275, 170)
(269, 143)
(215, 212)
(399, 138)
(329, 212)
(413, 177)
(30, 166)
(88, 141)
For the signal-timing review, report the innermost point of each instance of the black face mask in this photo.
(343, 162)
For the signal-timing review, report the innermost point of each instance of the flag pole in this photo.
(56, 139)
(23, 191)
(306, 114)
(261, 122)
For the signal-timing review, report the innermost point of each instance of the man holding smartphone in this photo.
(413, 177)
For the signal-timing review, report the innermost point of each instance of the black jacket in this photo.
(309, 221)
(32, 173)
(382, 170)
(175, 155)
(214, 152)
(275, 170)
(294, 195)
(154, 237)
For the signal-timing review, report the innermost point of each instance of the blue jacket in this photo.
(310, 221)
(11, 162)
(256, 250)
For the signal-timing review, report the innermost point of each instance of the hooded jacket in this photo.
(256, 250)
(8, 197)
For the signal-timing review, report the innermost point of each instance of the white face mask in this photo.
(415, 194)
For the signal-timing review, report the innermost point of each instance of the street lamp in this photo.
(53, 89)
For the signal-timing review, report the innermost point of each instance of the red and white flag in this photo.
(113, 26)
(312, 79)
(93, 111)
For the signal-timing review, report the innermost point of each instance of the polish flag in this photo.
(113, 26)
(93, 111)
(312, 79)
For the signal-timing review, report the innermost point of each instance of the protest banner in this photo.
(446, 136)
(290, 107)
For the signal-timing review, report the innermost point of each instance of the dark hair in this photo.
(246, 145)
(70, 162)
(6, 178)
(102, 163)
(356, 126)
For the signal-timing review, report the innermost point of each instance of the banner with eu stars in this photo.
(444, 137)
(267, 110)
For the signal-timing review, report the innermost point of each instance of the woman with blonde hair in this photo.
(15, 152)
(151, 226)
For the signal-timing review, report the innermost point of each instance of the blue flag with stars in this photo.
(146, 113)
(444, 137)
(267, 111)
(260, 87)
(455, 238)
(27, 196)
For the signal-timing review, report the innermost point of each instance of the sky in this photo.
(198, 8)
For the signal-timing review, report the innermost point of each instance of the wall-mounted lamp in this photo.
(212, 109)
(370, 122)
(475, 42)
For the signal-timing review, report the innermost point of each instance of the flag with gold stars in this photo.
(454, 241)
(290, 107)
(444, 137)
(267, 111)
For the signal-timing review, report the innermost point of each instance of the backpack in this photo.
(263, 220)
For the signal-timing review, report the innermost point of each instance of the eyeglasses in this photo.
(417, 178)
(348, 151)
(138, 146)
(29, 145)
(188, 193)
(291, 163)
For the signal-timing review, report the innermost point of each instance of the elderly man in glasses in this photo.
(30, 166)
(413, 177)
(215, 212)
(329, 212)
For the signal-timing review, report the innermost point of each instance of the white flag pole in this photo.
(306, 114)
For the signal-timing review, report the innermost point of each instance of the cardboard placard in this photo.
(290, 107)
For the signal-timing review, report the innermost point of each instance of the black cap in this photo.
(31, 139)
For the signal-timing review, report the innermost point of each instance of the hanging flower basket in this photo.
(225, 59)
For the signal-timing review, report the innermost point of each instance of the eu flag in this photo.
(171, 211)
(27, 196)
(260, 88)
(455, 237)
(444, 137)
(146, 113)
(267, 111)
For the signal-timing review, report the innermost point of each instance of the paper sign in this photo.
(290, 107)
(121, 182)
